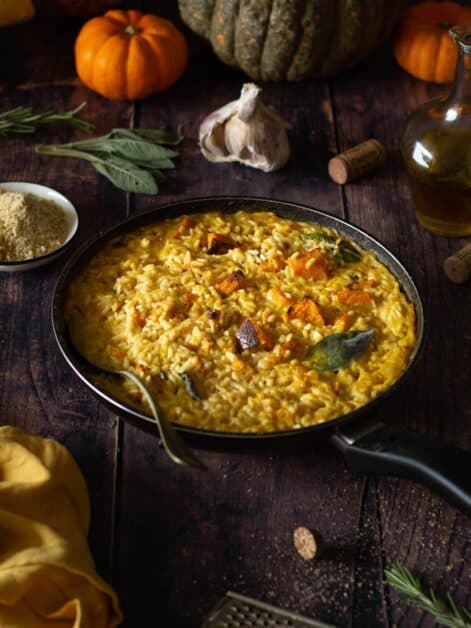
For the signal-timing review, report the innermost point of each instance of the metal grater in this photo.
(238, 611)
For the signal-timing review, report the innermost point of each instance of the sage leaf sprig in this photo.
(342, 250)
(131, 159)
(338, 350)
(22, 120)
(446, 613)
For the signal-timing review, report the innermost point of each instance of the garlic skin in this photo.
(247, 131)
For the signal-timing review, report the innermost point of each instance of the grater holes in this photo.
(242, 615)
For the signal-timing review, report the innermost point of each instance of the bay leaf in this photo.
(339, 350)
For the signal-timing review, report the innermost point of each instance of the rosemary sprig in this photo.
(22, 120)
(132, 159)
(446, 613)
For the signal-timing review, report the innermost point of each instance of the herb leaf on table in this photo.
(131, 159)
(22, 120)
(125, 176)
(446, 613)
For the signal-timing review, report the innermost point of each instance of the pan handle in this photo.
(376, 447)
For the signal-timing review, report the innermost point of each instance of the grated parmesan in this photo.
(30, 226)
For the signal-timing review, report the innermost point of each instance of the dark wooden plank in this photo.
(232, 527)
(38, 391)
(185, 539)
(415, 527)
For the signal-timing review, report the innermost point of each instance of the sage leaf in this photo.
(320, 236)
(165, 164)
(158, 176)
(339, 350)
(154, 135)
(126, 176)
(132, 159)
(348, 253)
(131, 149)
(190, 386)
(342, 249)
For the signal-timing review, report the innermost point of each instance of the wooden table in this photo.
(172, 541)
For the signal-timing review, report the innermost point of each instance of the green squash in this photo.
(275, 40)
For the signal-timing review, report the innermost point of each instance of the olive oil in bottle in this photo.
(436, 148)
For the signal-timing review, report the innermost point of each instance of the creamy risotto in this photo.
(243, 322)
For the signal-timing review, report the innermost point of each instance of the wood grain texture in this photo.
(374, 101)
(171, 540)
(38, 391)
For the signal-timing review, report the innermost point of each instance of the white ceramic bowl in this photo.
(70, 214)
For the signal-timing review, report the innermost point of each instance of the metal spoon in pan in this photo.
(173, 444)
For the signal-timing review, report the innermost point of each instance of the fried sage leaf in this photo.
(343, 250)
(190, 386)
(338, 350)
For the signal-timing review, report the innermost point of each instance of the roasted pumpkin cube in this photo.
(218, 244)
(251, 335)
(289, 349)
(234, 281)
(309, 264)
(274, 264)
(307, 310)
(279, 298)
(355, 298)
(343, 322)
(138, 319)
(184, 226)
(189, 298)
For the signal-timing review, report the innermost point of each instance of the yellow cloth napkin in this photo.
(47, 574)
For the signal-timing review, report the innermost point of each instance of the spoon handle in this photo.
(173, 444)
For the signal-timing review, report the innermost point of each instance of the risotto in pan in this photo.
(243, 322)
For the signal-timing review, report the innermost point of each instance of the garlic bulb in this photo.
(247, 131)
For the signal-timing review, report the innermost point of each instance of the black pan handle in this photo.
(375, 447)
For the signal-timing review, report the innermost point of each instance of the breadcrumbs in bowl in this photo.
(36, 223)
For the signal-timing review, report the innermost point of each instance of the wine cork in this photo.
(458, 266)
(356, 161)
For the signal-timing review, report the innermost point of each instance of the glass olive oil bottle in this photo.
(436, 148)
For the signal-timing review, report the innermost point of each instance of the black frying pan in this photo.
(368, 446)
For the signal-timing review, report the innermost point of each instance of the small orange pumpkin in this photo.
(422, 45)
(125, 55)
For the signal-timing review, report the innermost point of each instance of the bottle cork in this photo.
(356, 161)
(458, 266)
